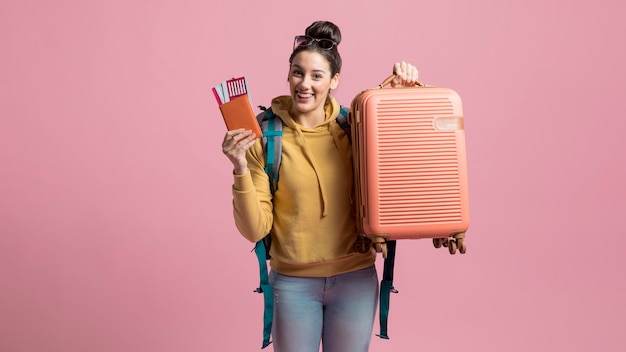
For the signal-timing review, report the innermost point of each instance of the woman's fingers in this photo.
(406, 74)
(236, 142)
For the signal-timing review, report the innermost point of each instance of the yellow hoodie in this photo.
(310, 216)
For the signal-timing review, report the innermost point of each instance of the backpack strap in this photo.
(386, 287)
(266, 289)
(342, 120)
(272, 129)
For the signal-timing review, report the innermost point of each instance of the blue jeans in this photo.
(338, 310)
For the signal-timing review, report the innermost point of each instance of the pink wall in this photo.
(116, 231)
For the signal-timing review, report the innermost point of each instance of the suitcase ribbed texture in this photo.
(418, 168)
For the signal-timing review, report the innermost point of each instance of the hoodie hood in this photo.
(282, 105)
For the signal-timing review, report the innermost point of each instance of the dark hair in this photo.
(323, 30)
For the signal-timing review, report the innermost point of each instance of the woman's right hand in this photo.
(406, 75)
(235, 145)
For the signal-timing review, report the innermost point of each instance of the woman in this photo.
(324, 290)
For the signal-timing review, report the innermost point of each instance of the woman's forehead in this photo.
(311, 60)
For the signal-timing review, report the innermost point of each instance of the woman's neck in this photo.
(310, 119)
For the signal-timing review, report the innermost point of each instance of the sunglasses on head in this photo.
(305, 40)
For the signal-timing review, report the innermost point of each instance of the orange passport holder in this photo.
(238, 113)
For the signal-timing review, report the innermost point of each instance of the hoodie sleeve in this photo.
(252, 199)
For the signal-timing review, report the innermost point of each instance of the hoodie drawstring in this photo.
(307, 154)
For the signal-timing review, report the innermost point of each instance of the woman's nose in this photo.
(306, 81)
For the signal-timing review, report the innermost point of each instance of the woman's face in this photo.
(310, 81)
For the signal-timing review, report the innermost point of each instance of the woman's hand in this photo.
(406, 75)
(235, 145)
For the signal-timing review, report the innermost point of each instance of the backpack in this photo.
(272, 129)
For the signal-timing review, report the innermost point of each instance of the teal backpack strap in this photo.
(342, 120)
(386, 287)
(268, 293)
(272, 128)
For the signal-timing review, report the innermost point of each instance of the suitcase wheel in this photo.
(457, 242)
(461, 245)
(381, 248)
(459, 238)
(452, 246)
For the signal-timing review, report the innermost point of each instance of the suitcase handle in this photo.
(390, 78)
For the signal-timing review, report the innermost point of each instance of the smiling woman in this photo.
(310, 82)
(324, 290)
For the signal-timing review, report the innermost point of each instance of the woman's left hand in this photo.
(406, 75)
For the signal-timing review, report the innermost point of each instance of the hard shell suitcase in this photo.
(410, 165)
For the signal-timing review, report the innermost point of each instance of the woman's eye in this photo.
(296, 73)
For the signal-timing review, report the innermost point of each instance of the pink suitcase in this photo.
(410, 165)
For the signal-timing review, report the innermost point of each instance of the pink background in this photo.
(116, 232)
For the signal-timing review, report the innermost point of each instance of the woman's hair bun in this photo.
(324, 30)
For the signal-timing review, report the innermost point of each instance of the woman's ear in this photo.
(334, 82)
